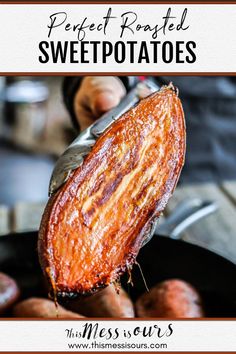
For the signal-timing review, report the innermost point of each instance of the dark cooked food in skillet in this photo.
(9, 292)
(109, 302)
(42, 308)
(172, 298)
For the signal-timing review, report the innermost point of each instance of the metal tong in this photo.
(74, 155)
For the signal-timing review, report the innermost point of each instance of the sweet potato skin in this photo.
(43, 308)
(94, 226)
(9, 292)
(108, 302)
(172, 298)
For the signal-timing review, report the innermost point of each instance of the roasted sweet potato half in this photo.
(94, 226)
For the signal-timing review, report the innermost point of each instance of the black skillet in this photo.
(163, 258)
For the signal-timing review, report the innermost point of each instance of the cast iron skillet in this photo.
(162, 258)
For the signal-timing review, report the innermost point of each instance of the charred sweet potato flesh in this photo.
(93, 228)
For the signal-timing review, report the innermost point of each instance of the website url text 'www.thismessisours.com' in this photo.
(117, 346)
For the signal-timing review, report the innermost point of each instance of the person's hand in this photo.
(97, 95)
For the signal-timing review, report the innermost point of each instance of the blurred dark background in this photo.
(34, 130)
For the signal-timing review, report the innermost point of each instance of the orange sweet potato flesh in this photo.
(94, 226)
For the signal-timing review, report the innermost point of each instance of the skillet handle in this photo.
(185, 214)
